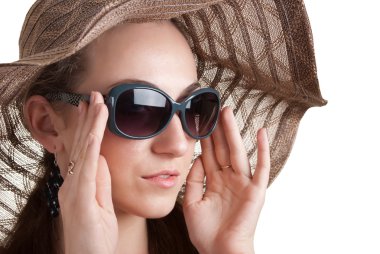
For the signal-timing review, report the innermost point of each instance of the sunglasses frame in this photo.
(112, 97)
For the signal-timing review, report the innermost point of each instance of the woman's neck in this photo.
(133, 234)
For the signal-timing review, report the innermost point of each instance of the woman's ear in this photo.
(42, 122)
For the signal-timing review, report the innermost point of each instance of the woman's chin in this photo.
(149, 208)
(158, 210)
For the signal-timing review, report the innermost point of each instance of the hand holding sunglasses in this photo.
(85, 196)
(222, 217)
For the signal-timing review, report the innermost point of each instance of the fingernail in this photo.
(92, 99)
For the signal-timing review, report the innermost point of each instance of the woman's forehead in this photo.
(136, 52)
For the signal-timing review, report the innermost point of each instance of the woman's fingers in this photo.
(76, 147)
(91, 125)
(261, 175)
(95, 134)
(194, 183)
(87, 197)
(222, 150)
(208, 157)
(82, 144)
(234, 149)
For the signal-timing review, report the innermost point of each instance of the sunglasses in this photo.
(140, 111)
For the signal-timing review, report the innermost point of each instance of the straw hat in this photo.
(257, 53)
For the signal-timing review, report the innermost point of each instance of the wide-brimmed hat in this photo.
(257, 54)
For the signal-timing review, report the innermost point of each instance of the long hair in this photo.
(35, 230)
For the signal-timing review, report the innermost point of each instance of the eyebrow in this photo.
(189, 89)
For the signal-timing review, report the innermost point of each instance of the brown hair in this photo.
(35, 230)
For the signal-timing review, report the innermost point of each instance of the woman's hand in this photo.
(223, 219)
(89, 221)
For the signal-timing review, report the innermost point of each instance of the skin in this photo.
(106, 201)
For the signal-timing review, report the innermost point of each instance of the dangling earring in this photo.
(51, 189)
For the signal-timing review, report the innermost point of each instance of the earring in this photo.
(51, 189)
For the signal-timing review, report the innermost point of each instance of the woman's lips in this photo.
(164, 179)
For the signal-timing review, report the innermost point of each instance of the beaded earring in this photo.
(51, 189)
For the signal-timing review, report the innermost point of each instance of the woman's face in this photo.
(157, 53)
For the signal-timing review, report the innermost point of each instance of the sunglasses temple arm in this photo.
(70, 98)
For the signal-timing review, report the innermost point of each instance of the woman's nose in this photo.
(173, 140)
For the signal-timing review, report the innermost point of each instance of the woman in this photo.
(124, 156)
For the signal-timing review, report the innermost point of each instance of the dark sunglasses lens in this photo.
(202, 113)
(141, 112)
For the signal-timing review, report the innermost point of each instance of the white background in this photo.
(326, 200)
